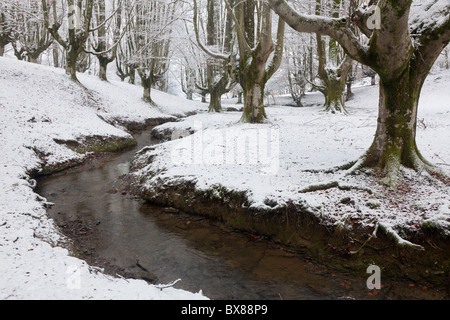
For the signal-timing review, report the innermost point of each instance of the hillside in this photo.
(40, 106)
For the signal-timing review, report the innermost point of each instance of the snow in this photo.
(277, 161)
(428, 13)
(39, 104)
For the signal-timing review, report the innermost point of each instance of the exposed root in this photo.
(391, 172)
(333, 184)
(399, 240)
(392, 169)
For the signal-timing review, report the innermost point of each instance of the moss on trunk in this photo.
(395, 144)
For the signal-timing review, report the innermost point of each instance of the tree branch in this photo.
(215, 55)
(336, 28)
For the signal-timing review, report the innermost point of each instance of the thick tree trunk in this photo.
(216, 90)
(254, 111)
(215, 100)
(71, 64)
(103, 65)
(394, 144)
(2, 49)
(334, 98)
(147, 85)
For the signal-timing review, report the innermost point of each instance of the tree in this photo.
(152, 36)
(333, 75)
(219, 37)
(253, 23)
(125, 49)
(403, 42)
(251, 67)
(103, 50)
(30, 38)
(332, 70)
(79, 18)
(297, 66)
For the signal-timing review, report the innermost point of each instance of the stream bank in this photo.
(297, 228)
(111, 228)
(294, 228)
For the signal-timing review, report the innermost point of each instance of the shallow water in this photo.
(203, 254)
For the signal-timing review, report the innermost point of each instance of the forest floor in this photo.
(293, 158)
(252, 176)
(46, 118)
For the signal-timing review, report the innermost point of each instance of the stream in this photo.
(111, 228)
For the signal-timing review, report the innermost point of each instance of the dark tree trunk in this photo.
(71, 64)
(395, 139)
(254, 111)
(103, 65)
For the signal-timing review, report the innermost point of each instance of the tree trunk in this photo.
(239, 96)
(55, 55)
(215, 100)
(395, 139)
(2, 49)
(334, 99)
(349, 92)
(132, 79)
(71, 64)
(147, 85)
(103, 64)
(254, 111)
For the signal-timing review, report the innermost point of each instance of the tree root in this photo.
(393, 235)
(399, 240)
(333, 184)
(373, 235)
(393, 166)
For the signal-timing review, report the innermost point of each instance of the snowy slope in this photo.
(37, 105)
(275, 162)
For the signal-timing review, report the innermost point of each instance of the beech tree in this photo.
(333, 68)
(29, 38)
(404, 39)
(152, 37)
(296, 63)
(79, 15)
(219, 36)
(106, 35)
(251, 66)
(253, 23)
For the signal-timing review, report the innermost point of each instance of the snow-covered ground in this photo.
(37, 105)
(277, 161)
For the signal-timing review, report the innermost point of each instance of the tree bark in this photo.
(395, 139)
(103, 65)
(254, 111)
(71, 64)
(147, 85)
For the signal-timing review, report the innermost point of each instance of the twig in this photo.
(373, 235)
